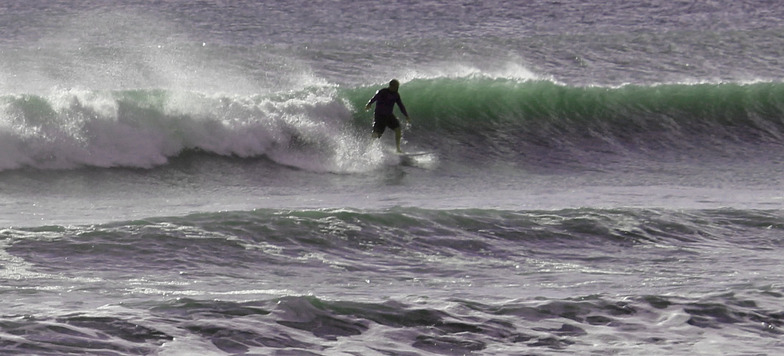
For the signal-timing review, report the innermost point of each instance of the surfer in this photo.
(385, 100)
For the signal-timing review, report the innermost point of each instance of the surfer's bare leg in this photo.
(398, 136)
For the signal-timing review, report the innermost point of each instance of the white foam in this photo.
(70, 128)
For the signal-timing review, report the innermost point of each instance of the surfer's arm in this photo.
(372, 100)
(403, 108)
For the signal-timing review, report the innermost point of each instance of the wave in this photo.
(544, 280)
(308, 325)
(511, 117)
(324, 128)
(402, 234)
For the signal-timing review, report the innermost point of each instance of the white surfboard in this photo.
(414, 154)
(418, 159)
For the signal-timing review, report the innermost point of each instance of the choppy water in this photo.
(180, 178)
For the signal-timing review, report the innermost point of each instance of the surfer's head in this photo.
(394, 85)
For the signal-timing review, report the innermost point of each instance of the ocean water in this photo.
(198, 178)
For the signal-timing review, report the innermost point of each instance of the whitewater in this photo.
(183, 178)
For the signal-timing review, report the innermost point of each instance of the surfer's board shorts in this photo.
(381, 122)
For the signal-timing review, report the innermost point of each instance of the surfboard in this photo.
(414, 154)
(418, 159)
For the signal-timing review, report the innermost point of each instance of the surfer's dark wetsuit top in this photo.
(384, 117)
